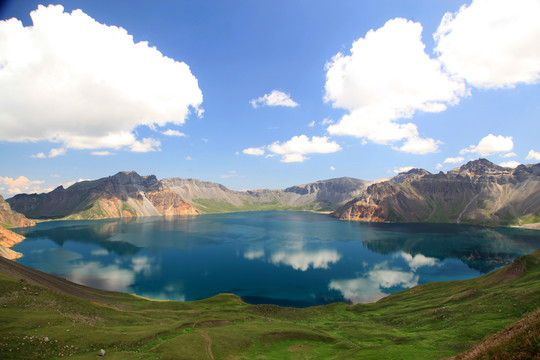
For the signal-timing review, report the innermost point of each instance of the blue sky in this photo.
(264, 94)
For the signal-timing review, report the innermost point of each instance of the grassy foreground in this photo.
(43, 317)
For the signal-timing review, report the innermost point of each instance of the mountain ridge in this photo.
(478, 192)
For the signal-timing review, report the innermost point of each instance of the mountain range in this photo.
(478, 192)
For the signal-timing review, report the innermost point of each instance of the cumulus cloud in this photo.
(254, 151)
(146, 145)
(19, 185)
(52, 153)
(275, 98)
(295, 149)
(533, 155)
(454, 160)
(492, 43)
(332, 168)
(73, 81)
(387, 77)
(510, 154)
(510, 164)
(171, 132)
(491, 144)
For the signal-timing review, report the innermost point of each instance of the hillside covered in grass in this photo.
(43, 317)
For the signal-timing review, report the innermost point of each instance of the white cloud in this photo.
(275, 98)
(57, 152)
(491, 144)
(101, 153)
(417, 145)
(254, 151)
(39, 156)
(510, 154)
(312, 124)
(327, 121)
(439, 166)
(189, 158)
(510, 164)
(492, 43)
(388, 77)
(146, 145)
(454, 160)
(403, 169)
(20, 185)
(332, 168)
(533, 155)
(171, 132)
(229, 174)
(84, 85)
(295, 149)
(52, 153)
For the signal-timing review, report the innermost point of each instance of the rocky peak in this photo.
(411, 174)
(132, 178)
(480, 167)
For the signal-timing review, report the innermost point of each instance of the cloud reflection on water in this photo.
(119, 276)
(304, 259)
(370, 286)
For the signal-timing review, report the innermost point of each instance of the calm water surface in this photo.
(285, 258)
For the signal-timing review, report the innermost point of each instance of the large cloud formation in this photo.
(84, 85)
(388, 77)
(492, 43)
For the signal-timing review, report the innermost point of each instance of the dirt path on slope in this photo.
(208, 339)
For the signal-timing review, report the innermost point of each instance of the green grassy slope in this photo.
(426, 322)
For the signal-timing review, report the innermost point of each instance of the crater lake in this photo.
(283, 257)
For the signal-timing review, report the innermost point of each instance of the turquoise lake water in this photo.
(286, 258)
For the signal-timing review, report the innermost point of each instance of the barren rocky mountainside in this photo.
(8, 239)
(478, 192)
(126, 194)
(10, 218)
(320, 195)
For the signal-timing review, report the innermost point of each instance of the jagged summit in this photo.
(411, 174)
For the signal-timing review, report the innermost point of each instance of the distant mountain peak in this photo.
(480, 167)
(412, 173)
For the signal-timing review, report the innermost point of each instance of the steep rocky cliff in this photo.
(126, 194)
(478, 192)
(10, 218)
(9, 239)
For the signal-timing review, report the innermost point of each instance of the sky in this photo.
(264, 94)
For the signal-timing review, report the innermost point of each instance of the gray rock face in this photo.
(478, 192)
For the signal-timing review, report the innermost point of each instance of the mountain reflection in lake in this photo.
(285, 258)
